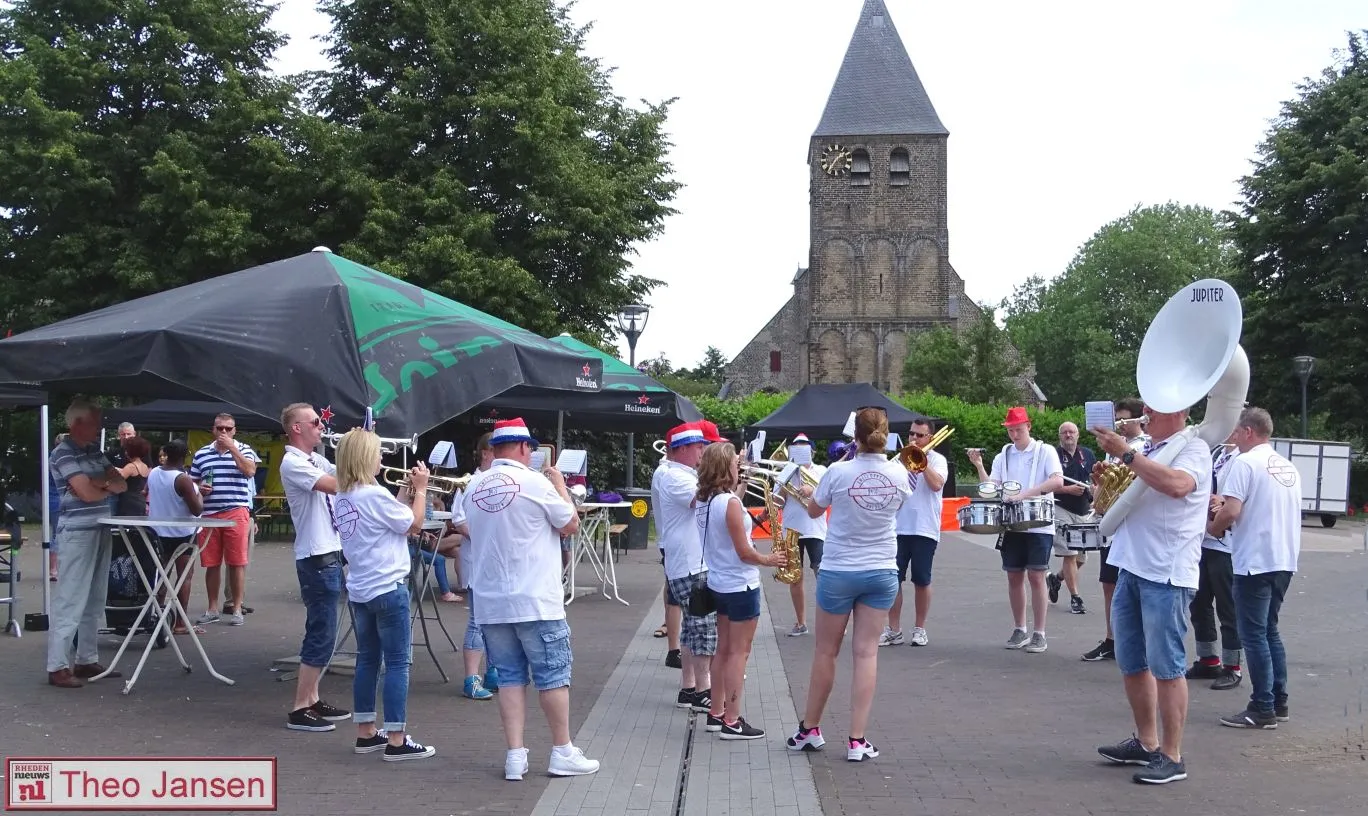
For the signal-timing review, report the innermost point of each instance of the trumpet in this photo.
(1143, 420)
(388, 445)
(440, 485)
(914, 458)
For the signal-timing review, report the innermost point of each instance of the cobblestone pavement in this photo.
(967, 727)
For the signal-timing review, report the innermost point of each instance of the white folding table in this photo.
(166, 614)
(594, 543)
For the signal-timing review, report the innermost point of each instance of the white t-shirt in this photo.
(1267, 535)
(864, 495)
(920, 515)
(373, 526)
(164, 502)
(1030, 467)
(1160, 539)
(313, 522)
(513, 513)
(726, 571)
(1219, 467)
(673, 487)
(795, 515)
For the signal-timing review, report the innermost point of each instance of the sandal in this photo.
(660, 633)
(452, 597)
(199, 630)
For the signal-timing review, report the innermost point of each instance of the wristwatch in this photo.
(1128, 457)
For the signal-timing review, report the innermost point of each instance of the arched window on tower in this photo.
(899, 169)
(859, 169)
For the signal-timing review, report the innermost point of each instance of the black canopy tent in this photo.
(821, 411)
(315, 328)
(185, 415)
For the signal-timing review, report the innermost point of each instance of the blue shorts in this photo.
(1149, 623)
(838, 592)
(738, 606)
(916, 553)
(535, 650)
(1026, 551)
(320, 586)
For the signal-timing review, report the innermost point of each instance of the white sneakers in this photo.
(919, 637)
(890, 637)
(573, 763)
(515, 764)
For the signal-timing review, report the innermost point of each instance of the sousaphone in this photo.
(1191, 350)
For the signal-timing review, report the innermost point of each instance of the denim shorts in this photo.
(738, 606)
(915, 553)
(1149, 622)
(538, 651)
(1026, 551)
(320, 585)
(838, 592)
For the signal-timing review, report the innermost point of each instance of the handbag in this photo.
(701, 602)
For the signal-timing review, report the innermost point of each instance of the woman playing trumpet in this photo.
(859, 577)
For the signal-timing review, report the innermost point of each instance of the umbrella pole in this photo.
(46, 482)
(560, 430)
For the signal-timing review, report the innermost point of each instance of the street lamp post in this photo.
(631, 321)
(1303, 365)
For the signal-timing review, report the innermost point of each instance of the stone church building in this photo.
(879, 254)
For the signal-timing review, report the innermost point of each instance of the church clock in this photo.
(835, 160)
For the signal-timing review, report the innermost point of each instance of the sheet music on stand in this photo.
(538, 460)
(573, 462)
(756, 451)
(894, 444)
(849, 430)
(1101, 414)
(443, 455)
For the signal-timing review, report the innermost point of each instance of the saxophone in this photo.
(787, 543)
(1112, 481)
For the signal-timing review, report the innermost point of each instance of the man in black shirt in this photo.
(1073, 505)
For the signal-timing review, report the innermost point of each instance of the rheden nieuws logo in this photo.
(140, 783)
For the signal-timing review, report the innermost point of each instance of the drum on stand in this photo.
(1030, 514)
(1083, 537)
(984, 517)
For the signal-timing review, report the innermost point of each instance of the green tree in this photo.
(508, 174)
(1084, 328)
(144, 144)
(1302, 232)
(976, 366)
(710, 368)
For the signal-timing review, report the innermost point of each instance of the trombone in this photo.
(388, 445)
(439, 485)
(914, 458)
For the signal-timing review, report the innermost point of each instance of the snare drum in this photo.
(1083, 536)
(1030, 514)
(981, 517)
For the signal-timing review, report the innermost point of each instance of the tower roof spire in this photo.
(877, 91)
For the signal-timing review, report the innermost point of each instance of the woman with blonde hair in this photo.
(859, 576)
(733, 583)
(374, 527)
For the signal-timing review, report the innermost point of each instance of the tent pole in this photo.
(49, 559)
(560, 431)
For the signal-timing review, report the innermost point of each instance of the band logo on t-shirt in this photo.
(496, 492)
(1282, 471)
(872, 490)
(345, 518)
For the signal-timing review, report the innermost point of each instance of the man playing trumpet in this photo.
(1031, 462)
(918, 529)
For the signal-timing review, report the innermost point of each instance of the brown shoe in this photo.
(85, 671)
(63, 678)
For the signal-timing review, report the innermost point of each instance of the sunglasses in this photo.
(916, 435)
(225, 428)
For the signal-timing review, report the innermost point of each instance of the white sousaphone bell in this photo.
(1191, 350)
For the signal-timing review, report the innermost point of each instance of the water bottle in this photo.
(427, 513)
(208, 477)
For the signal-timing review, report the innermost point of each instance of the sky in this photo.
(1063, 115)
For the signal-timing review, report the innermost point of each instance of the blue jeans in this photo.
(1258, 598)
(1149, 622)
(535, 650)
(382, 631)
(474, 640)
(838, 592)
(320, 586)
(439, 570)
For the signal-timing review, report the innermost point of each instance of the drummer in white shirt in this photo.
(811, 531)
(918, 528)
(1035, 466)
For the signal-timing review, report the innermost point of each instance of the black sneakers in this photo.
(672, 660)
(1128, 752)
(329, 712)
(685, 698)
(371, 744)
(740, 730)
(1076, 606)
(1106, 650)
(409, 750)
(1281, 711)
(1161, 771)
(1228, 679)
(697, 700)
(1054, 582)
(1204, 671)
(1252, 719)
(713, 724)
(306, 719)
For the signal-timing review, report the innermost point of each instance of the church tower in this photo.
(878, 259)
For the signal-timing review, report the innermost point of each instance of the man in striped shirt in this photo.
(87, 481)
(224, 469)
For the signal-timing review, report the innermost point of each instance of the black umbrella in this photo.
(629, 402)
(315, 328)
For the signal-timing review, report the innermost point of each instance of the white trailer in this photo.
(1324, 469)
